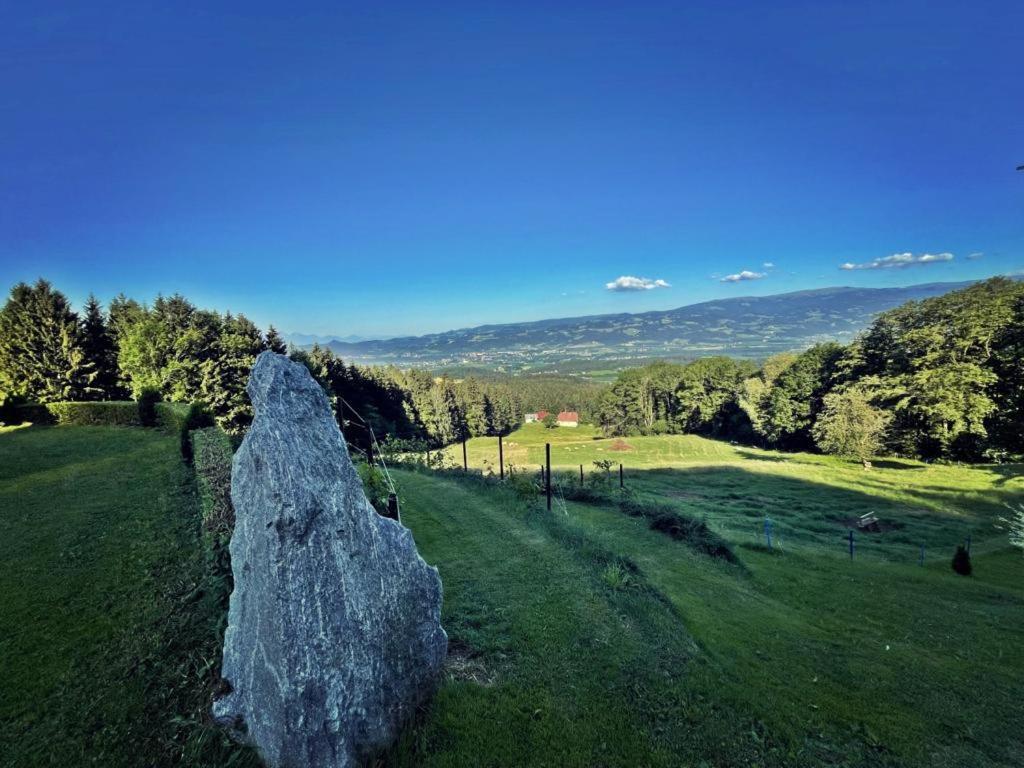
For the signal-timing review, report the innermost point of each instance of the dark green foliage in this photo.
(147, 400)
(116, 414)
(962, 561)
(42, 355)
(274, 342)
(668, 398)
(797, 397)
(374, 485)
(100, 352)
(179, 419)
(948, 371)
(675, 525)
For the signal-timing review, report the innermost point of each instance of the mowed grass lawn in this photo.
(109, 620)
(578, 637)
(811, 500)
(791, 658)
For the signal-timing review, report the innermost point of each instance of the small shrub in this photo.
(962, 561)
(524, 486)
(375, 486)
(616, 576)
(147, 401)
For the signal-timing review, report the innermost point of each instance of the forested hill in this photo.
(750, 326)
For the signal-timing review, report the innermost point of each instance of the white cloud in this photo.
(746, 274)
(768, 265)
(974, 256)
(900, 261)
(628, 283)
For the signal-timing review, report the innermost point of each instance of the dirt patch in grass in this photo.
(620, 445)
(464, 663)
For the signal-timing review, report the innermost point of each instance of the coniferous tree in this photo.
(100, 352)
(41, 347)
(274, 341)
(226, 371)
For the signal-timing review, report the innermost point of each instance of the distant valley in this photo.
(750, 326)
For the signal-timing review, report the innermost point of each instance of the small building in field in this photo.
(568, 419)
(538, 416)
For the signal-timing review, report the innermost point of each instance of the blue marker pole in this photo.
(851, 545)
(920, 560)
(768, 531)
(968, 543)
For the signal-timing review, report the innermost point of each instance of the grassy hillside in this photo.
(109, 628)
(798, 657)
(810, 498)
(578, 638)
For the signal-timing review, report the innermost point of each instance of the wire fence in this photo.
(780, 534)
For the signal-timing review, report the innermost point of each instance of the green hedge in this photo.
(175, 418)
(212, 454)
(117, 414)
(180, 419)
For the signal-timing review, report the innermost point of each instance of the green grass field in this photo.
(578, 638)
(109, 620)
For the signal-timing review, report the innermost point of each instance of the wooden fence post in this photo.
(622, 482)
(465, 461)
(581, 474)
(547, 472)
(501, 458)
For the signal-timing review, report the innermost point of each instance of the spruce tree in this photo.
(41, 347)
(274, 341)
(99, 350)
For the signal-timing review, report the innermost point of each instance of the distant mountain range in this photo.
(750, 326)
(309, 339)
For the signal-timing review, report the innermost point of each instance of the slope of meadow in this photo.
(579, 637)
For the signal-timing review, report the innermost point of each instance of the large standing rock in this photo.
(334, 632)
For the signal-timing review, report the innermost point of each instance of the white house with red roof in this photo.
(568, 419)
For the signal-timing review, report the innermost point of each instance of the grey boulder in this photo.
(334, 633)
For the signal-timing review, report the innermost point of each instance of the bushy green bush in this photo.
(146, 403)
(375, 486)
(525, 486)
(962, 561)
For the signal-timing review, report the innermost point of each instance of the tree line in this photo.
(50, 353)
(941, 378)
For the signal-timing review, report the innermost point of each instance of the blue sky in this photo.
(382, 168)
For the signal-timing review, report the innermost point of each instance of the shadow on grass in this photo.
(739, 499)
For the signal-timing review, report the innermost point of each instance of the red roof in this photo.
(568, 416)
(541, 415)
